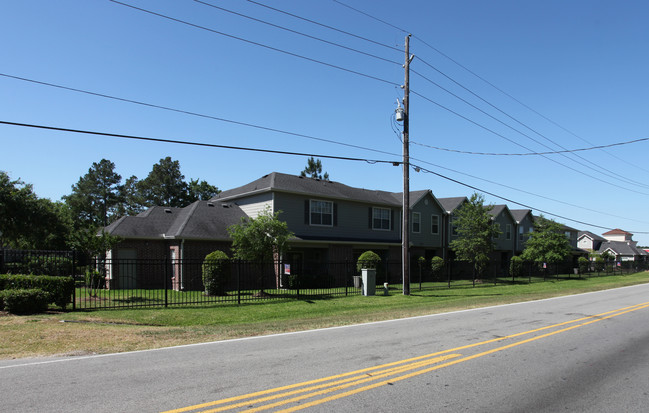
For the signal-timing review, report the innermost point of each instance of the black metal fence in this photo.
(118, 283)
(114, 283)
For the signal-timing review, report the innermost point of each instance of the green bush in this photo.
(55, 266)
(94, 279)
(584, 265)
(368, 259)
(60, 289)
(516, 266)
(25, 301)
(216, 272)
(437, 266)
(600, 263)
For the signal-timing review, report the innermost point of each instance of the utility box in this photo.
(369, 281)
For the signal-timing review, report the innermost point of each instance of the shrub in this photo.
(421, 261)
(25, 301)
(437, 266)
(216, 272)
(584, 265)
(94, 279)
(60, 289)
(599, 264)
(368, 259)
(516, 266)
(55, 266)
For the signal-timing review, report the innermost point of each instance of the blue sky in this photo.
(579, 68)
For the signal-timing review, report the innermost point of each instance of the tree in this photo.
(95, 198)
(547, 244)
(260, 239)
(313, 170)
(476, 233)
(131, 199)
(29, 222)
(200, 191)
(164, 186)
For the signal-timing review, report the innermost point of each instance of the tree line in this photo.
(97, 199)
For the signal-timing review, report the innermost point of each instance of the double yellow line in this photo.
(347, 384)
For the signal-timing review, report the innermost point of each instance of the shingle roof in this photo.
(519, 214)
(317, 187)
(450, 204)
(590, 235)
(151, 223)
(617, 231)
(620, 248)
(200, 220)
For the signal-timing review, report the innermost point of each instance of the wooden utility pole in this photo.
(405, 223)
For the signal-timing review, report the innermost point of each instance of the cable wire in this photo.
(256, 43)
(610, 145)
(325, 26)
(209, 145)
(186, 112)
(300, 33)
(515, 202)
(485, 81)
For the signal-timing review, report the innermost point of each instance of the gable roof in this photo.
(590, 235)
(500, 209)
(617, 231)
(519, 214)
(621, 248)
(280, 182)
(451, 204)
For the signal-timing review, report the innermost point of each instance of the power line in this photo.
(326, 26)
(610, 145)
(487, 82)
(256, 43)
(299, 33)
(531, 138)
(186, 112)
(607, 214)
(518, 144)
(344, 158)
(209, 145)
(515, 202)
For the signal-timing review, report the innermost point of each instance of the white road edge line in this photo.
(93, 356)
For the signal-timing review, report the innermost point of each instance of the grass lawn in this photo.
(107, 331)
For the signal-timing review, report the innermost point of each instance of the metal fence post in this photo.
(238, 281)
(74, 283)
(166, 286)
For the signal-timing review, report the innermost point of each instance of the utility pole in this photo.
(405, 223)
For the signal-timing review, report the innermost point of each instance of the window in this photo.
(497, 225)
(453, 226)
(508, 231)
(434, 224)
(416, 222)
(381, 218)
(321, 213)
(520, 233)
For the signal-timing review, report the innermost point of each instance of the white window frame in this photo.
(497, 235)
(383, 219)
(508, 232)
(416, 220)
(434, 221)
(316, 207)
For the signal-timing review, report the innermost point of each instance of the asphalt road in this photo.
(585, 353)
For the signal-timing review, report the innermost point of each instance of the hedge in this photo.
(60, 289)
(25, 301)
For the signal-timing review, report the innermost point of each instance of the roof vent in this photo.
(209, 204)
(167, 211)
(225, 205)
